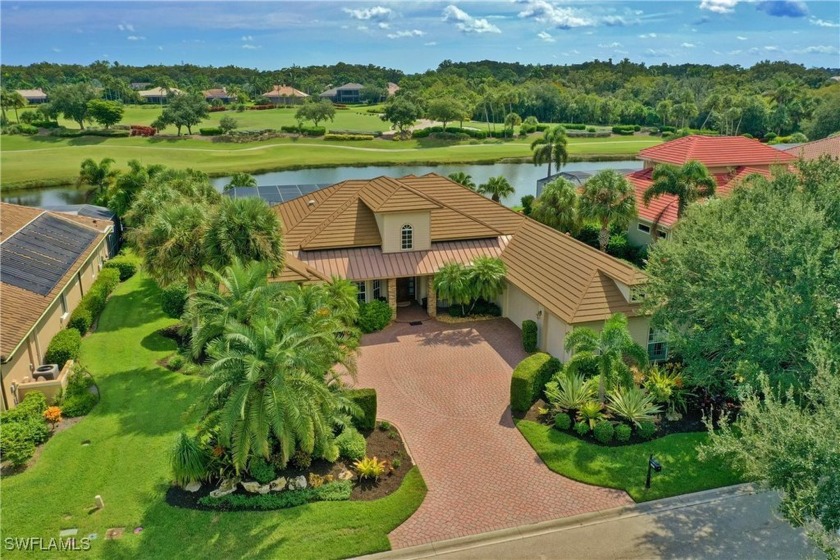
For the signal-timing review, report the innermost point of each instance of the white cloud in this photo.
(383, 25)
(136, 38)
(818, 49)
(719, 6)
(558, 16)
(160, 48)
(250, 47)
(613, 45)
(824, 23)
(736, 51)
(407, 33)
(430, 44)
(56, 49)
(125, 27)
(741, 38)
(545, 36)
(688, 45)
(660, 53)
(377, 13)
(247, 38)
(771, 48)
(362, 27)
(647, 36)
(466, 23)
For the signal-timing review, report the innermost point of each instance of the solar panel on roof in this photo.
(37, 256)
(275, 194)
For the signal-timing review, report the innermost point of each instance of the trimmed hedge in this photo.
(351, 444)
(529, 336)
(624, 130)
(212, 131)
(366, 400)
(125, 265)
(347, 137)
(78, 399)
(604, 431)
(529, 379)
(562, 421)
(330, 492)
(81, 319)
(64, 346)
(24, 427)
(374, 316)
(93, 302)
(470, 132)
(173, 300)
(306, 131)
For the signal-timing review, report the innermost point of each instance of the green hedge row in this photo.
(126, 265)
(374, 316)
(366, 400)
(63, 346)
(470, 132)
(330, 492)
(93, 302)
(529, 379)
(212, 131)
(306, 131)
(24, 427)
(345, 137)
(173, 300)
(529, 336)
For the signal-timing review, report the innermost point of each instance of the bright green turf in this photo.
(142, 409)
(625, 467)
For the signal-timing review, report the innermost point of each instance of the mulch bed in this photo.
(383, 444)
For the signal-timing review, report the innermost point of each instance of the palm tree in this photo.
(608, 350)
(463, 179)
(98, 175)
(487, 278)
(246, 229)
(267, 382)
(512, 120)
(608, 198)
(452, 283)
(497, 187)
(688, 183)
(557, 206)
(241, 180)
(551, 148)
(122, 193)
(171, 244)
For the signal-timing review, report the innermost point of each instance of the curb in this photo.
(556, 525)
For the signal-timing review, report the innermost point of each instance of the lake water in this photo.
(523, 176)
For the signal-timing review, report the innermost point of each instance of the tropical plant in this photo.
(512, 120)
(569, 391)
(261, 470)
(245, 229)
(13, 100)
(463, 179)
(558, 206)
(551, 148)
(452, 283)
(497, 187)
(370, 468)
(609, 199)
(487, 278)
(241, 180)
(590, 412)
(603, 431)
(633, 404)
(688, 183)
(351, 444)
(53, 415)
(666, 386)
(98, 175)
(189, 460)
(608, 350)
(128, 184)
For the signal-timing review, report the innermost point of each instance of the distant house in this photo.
(285, 95)
(101, 215)
(33, 96)
(50, 260)
(348, 93)
(730, 159)
(392, 88)
(158, 94)
(217, 93)
(814, 150)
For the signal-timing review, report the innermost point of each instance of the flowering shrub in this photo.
(53, 415)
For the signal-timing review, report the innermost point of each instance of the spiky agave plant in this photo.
(633, 405)
(590, 412)
(569, 391)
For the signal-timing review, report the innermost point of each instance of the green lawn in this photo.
(34, 160)
(143, 407)
(625, 467)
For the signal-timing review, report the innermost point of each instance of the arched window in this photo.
(407, 237)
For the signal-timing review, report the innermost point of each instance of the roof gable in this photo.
(715, 151)
(813, 150)
(385, 194)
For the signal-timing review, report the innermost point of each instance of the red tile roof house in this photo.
(810, 151)
(285, 95)
(390, 236)
(729, 158)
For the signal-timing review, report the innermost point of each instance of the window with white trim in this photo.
(662, 234)
(657, 345)
(377, 289)
(407, 237)
(644, 228)
(361, 291)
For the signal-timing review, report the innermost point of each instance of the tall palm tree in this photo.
(608, 350)
(171, 244)
(122, 193)
(551, 148)
(688, 183)
(452, 283)
(463, 179)
(246, 229)
(497, 187)
(557, 206)
(98, 175)
(512, 120)
(608, 198)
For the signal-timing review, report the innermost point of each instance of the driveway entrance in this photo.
(447, 388)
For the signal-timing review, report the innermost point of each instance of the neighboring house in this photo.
(392, 88)
(814, 150)
(33, 96)
(217, 93)
(49, 261)
(99, 213)
(390, 236)
(158, 94)
(348, 93)
(577, 178)
(730, 159)
(285, 95)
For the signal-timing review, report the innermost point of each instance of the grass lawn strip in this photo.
(625, 467)
(142, 408)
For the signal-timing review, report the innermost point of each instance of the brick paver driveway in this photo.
(447, 388)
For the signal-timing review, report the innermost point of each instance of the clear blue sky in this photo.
(417, 35)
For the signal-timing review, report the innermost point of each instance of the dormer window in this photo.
(407, 238)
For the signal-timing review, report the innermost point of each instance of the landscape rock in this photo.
(192, 487)
(278, 484)
(345, 475)
(226, 487)
(251, 486)
(263, 489)
(297, 483)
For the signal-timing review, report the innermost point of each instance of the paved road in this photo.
(727, 527)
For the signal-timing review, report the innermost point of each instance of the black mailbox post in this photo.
(653, 465)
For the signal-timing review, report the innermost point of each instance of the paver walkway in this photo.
(447, 388)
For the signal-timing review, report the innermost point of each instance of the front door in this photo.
(405, 289)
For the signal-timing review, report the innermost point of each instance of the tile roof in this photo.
(813, 150)
(32, 93)
(284, 91)
(159, 92)
(663, 209)
(715, 151)
(216, 92)
(22, 308)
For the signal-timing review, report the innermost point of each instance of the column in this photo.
(392, 295)
(431, 297)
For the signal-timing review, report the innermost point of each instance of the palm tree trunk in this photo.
(602, 389)
(604, 236)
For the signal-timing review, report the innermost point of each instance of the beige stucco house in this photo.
(391, 236)
(49, 261)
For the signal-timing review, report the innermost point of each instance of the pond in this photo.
(523, 176)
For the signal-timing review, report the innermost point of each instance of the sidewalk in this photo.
(727, 523)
